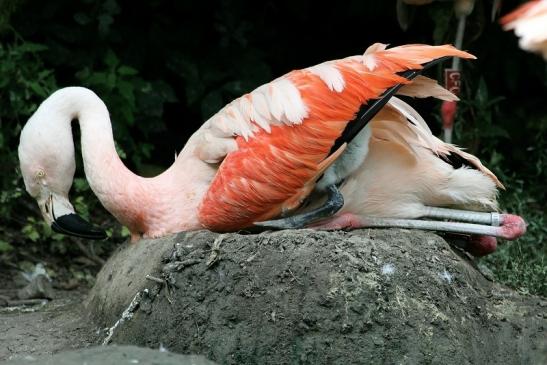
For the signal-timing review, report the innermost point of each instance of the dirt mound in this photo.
(308, 297)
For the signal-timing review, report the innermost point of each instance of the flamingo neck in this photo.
(98, 149)
(105, 171)
(147, 206)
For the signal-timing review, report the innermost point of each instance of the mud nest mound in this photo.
(309, 297)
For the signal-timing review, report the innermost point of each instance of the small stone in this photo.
(346, 328)
(38, 288)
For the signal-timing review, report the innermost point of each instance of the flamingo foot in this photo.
(343, 221)
(481, 245)
(513, 226)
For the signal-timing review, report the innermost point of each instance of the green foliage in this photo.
(523, 263)
(24, 82)
(480, 126)
(5, 246)
(7, 7)
(27, 77)
(502, 118)
(126, 93)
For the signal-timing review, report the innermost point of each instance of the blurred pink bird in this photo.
(529, 22)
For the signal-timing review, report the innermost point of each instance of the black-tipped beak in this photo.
(74, 225)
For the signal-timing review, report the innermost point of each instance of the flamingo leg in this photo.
(512, 226)
(335, 202)
(489, 218)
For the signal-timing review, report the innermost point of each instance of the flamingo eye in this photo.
(40, 173)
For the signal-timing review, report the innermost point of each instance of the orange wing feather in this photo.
(273, 172)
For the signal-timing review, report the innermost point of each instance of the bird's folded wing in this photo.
(399, 123)
(284, 131)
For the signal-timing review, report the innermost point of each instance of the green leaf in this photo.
(125, 232)
(5, 246)
(29, 47)
(38, 89)
(482, 92)
(105, 21)
(81, 207)
(80, 184)
(493, 131)
(127, 114)
(45, 73)
(31, 232)
(83, 73)
(111, 7)
(146, 149)
(127, 71)
(97, 78)
(495, 100)
(120, 151)
(82, 18)
(127, 91)
(111, 81)
(440, 14)
(111, 60)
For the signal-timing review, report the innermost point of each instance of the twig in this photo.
(13, 266)
(155, 279)
(295, 278)
(162, 282)
(215, 250)
(168, 294)
(16, 303)
(96, 259)
(179, 265)
(126, 315)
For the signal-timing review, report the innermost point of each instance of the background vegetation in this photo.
(164, 67)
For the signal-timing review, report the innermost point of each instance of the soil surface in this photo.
(290, 297)
(113, 355)
(54, 326)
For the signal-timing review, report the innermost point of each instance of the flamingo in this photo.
(258, 158)
(529, 21)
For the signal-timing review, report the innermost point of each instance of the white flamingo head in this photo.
(46, 157)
